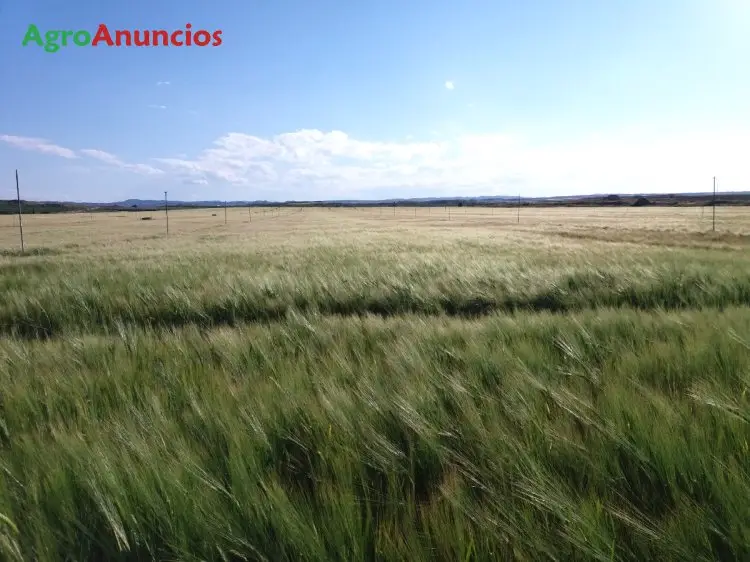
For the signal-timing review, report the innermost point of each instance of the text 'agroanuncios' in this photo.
(54, 39)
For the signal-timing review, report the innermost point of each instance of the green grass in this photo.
(341, 439)
(334, 400)
(50, 298)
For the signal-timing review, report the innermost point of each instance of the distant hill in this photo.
(677, 199)
(8, 207)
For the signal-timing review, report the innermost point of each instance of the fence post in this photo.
(166, 211)
(20, 214)
(713, 224)
(518, 217)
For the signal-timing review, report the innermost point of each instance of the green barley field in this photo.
(371, 384)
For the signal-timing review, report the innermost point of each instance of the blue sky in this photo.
(368, 99)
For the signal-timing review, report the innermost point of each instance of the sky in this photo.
(365, 99)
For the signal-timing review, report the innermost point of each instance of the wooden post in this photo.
(713, 226)
(166, 211)
(20, 214)
(518, 217)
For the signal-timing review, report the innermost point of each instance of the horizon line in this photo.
(392, 199)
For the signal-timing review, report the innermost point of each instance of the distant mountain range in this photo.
(265, 203)
(478, 200)
(679, 199)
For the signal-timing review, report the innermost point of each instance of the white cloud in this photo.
(450, 85)
(315, 164)
(304, 156)
(329, 164)
(113, 160)
(143, 169)
(46, 147)
(154, 106)
(38, 145)
(103, 156)
(163, 83)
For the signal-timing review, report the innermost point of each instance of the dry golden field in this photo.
(664, 226)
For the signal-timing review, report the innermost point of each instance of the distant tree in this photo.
(641, 202)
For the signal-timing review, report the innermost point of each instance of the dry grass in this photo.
(305, 225)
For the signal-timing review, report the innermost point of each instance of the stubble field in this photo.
(371, 384)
